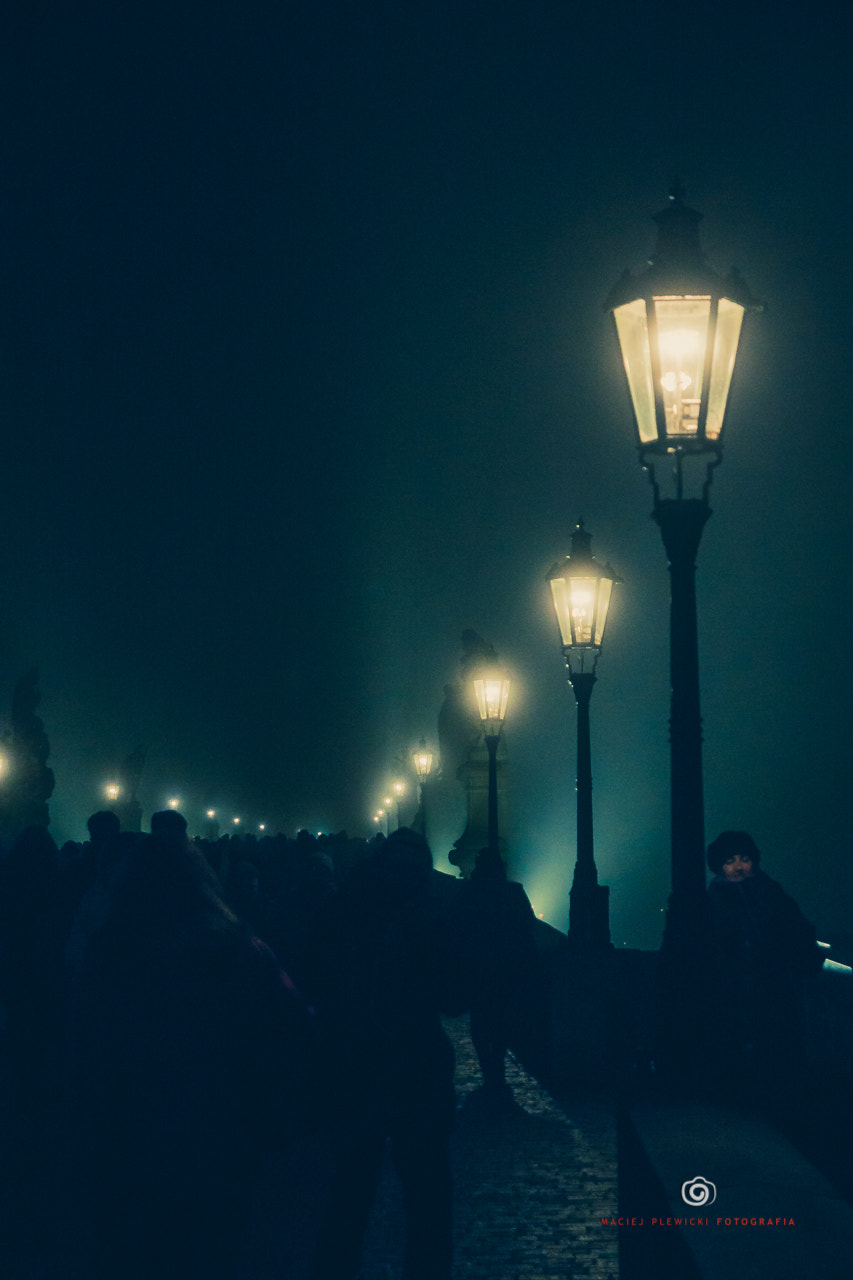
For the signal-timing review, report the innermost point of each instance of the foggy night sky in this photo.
(305, 369)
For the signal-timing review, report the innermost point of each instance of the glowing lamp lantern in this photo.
(492, 693)
(678, 326)
(112, 791)
(422, 760)
(581, 589)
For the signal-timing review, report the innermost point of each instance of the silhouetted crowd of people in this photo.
(176, 1009)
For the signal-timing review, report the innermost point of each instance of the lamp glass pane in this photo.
(582, 593)
(682, 338)
(559, 590)
(633, 331)
(492, 694)
(729, 320)
(605, 588)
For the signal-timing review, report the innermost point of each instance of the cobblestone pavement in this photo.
(531, 1186)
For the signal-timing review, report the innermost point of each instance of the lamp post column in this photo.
(681, 523)
(588, 900)
(682, 1015)
(492, 748)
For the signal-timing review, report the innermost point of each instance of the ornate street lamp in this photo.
(678, 325)
(112, 791)
(582, 588)
(398, 787)
(492, 692)
(422, 759)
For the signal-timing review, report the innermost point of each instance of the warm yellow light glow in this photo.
(174, 803)
(682, 329)
(492, 693)
(678, 345)
(262, 826)
(399, 788)
(581, 605)
(633, 331)
(211, 813)
(236, 821)
(423, 761)
(4, 766)
(112, 791)
(387, 801)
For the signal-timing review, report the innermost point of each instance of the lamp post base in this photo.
(589, 917)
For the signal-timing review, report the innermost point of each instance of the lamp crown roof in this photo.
(580, 559)
(678, 265)
(678, 232)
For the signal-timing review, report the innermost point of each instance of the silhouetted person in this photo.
(763, 950)
(94, 909)
(390, 1062)
(35, 920)
(189, 1052)
(498, 938)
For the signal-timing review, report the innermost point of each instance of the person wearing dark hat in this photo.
(763, 950)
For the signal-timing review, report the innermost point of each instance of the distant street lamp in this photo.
(678, 325)
(492, 692)
(398, 788)
(174, 803)
(582, 589)
(422, 759)
(112, 791)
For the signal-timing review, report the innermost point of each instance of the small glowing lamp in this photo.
(422, 760)
(174, 803)
(398, 788)
(581, 589)
(678, 325)
(112, 791)
(236, 821)
(492, 692)
(211, 813)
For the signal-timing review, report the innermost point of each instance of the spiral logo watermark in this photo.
(698, 1191)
